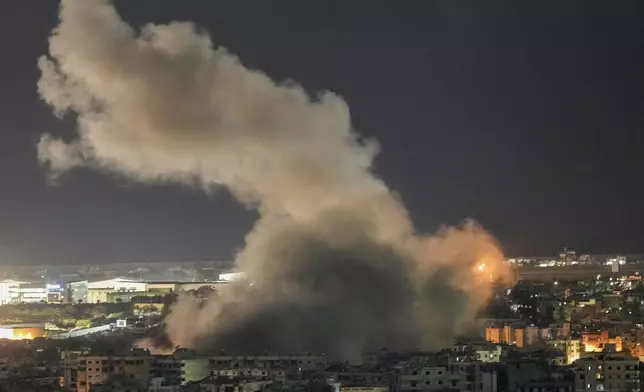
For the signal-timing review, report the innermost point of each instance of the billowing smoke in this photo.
(333, 263)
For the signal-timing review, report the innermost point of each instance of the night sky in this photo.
(526, 116)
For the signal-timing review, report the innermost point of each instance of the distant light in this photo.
(556, 283)
(481, 267)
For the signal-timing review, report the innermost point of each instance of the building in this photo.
(363, 388)
(491, 354)
(40, 292)
(123, 290)
(265, 365)
(633, 341)
(534, 336)
(166, 373)
(547, 386)
(101, 370)
(186, 286)
(33, 293)
(215, 384)
(453, 373)
(55, 293)
(194, 368)
(9, 292)
(571, 348)
(608, 373)
(76, 292)
(488, 353)
(162, 288)
(600, 342)
(13, 292)
(98, 291)
(69, 369)
(426, 378)
(505, 335)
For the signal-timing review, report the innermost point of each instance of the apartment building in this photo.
(607, 373)
(571, 348)
(599, 342)
(274, 366)
(100, 370)
(449, 374)
(505, 335)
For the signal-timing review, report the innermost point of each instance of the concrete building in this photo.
(162, 288)
(123, 290)
(426, 378)
(33, 292)
(505, 335)
(571, 348)
(608, 373)
(633, 341)
(364, 388)
(76, 292)
(547, 386)
(534, 336)
(345, 377)
(186, 286)
(490, 354)
(98, 291)
(9, 292)
(166, 373)
(236, 366)
(446, 375)
(487, 353)
(12, 292)
(194, 368)
(600, 342)
(101, 370)
(234, 385)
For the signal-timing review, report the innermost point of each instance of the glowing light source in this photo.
(481, 267)
(16, 334)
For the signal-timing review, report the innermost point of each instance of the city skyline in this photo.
(362, 196)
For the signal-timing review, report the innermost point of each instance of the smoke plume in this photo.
(333, 263)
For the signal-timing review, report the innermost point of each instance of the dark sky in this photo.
(526, 116)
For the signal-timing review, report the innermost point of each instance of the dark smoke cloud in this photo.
(333, 263)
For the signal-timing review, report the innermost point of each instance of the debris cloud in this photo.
(333, 263)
